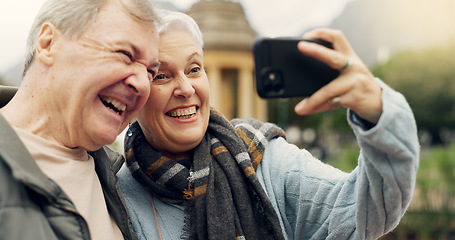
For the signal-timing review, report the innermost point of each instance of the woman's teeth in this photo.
(183, 113)
(113, 104)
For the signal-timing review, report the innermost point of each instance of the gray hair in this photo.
(173, 20)
(73, 16)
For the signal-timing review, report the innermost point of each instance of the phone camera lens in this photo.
(273, 81)
(272, 76)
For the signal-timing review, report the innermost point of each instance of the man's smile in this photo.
(113, 104)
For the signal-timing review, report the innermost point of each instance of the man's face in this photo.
(101, 79)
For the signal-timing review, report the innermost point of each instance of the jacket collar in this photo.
(23, 166)
(6, 94)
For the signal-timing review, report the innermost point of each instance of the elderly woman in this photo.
(192, 174)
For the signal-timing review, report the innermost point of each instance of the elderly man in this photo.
(86, 76)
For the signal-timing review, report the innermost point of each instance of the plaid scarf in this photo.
(219, 187)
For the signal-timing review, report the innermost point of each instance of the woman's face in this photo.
(176, 115)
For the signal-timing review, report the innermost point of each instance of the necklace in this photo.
(156, 218)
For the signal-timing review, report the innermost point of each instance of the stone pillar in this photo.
(215, 78)
(246, 91)
(261, 108)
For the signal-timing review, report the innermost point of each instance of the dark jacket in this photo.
(34, 207)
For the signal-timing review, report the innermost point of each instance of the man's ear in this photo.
(45, 43)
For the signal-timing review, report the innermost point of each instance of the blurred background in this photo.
(409, 44)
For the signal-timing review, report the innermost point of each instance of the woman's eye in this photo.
(160, 78)
(195, 70)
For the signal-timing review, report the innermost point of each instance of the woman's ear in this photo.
(45, 42)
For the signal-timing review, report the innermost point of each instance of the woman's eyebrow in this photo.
(193, 55)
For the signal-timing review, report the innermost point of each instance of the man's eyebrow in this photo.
(136, 51)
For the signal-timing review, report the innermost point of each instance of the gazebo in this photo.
(228, 41)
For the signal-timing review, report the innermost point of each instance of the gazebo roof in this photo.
(223, 24)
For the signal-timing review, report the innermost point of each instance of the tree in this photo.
(427, 79)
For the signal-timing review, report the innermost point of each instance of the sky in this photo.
(269, 18)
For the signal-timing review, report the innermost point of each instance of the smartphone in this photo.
(282, 71)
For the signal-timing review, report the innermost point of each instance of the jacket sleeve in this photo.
(20, 218)
(317, 201)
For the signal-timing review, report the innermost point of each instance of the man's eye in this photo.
(127, 54)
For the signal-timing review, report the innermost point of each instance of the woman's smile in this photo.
(183, 113)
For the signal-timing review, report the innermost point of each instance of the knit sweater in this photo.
(314, 200)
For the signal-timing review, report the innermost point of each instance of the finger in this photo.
(336, 37)
(326, 98)
(302, 107)
(336, 102)
(333, 59)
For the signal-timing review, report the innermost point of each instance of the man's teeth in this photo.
(183, 113)
(113, 104)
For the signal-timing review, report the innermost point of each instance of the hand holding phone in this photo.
(282, 71)
(310, 69)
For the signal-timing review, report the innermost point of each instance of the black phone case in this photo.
(282, 71)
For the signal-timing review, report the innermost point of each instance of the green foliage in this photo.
(427, 79)
(281, 111)
(433, 204)
(432, 210)
(347, 160)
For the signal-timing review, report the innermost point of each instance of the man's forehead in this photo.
(141, 11)
(122, 28)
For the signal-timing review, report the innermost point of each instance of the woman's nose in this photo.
(184, 87)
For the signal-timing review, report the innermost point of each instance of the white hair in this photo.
(173, 20)
(73, 16)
